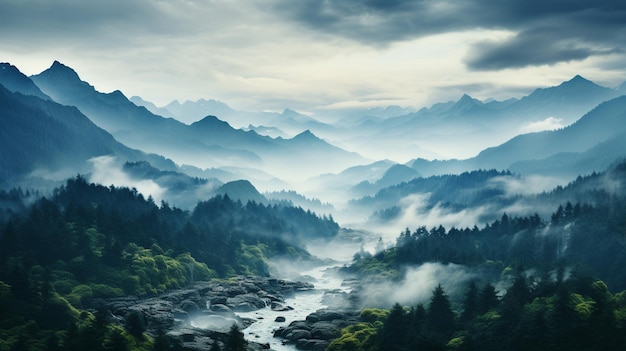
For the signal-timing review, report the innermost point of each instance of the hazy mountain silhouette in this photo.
(290, 122)
(133, 125)
(596, 137)
(208, 142)
(471, 125)
(161, 111)
(396, 174)
(41, 137)
(191, 111)
(241, 190)
(15, 81)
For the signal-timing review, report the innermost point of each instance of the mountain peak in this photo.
(58, 67)
(212, 122)
(61, 75)
(578, 90)
(306, 135)
(465, 104)
(15, 81)
(578, 80)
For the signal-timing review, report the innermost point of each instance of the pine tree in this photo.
(470, 304)
(393, 335)
(439, 316)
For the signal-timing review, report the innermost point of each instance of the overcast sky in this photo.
(318, 54)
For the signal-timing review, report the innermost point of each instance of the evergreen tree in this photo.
(393, 335)
(470, 303)
(487, 299)
(439, 316)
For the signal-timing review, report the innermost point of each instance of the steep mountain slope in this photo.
(132, 125)
(15, 81)
(38, 135)
(590, 144)
(205, 143)
(161, 111)
(601, 124)
(463, 128)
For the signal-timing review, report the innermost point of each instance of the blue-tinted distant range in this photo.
(318, 56)
(334, 99)
(323, 175)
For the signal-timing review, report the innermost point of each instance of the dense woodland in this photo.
(89, 241)
(564, 275)
(573, 314)
(454, 191)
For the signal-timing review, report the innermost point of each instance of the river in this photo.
(303, 303)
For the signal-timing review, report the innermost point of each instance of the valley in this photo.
(461, 226)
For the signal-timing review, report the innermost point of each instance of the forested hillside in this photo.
(89, 241)
(558, 279)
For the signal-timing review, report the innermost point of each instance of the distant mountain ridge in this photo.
(15, 81)
(436, 131)
(604, 124)
(42, 137)
(472, 125)
(208, 142)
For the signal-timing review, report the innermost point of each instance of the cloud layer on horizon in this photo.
(544, 31)
(319, 53)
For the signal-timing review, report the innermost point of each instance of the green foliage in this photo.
(571, 315)
(88, 241)
(357, 337)
(372, 315)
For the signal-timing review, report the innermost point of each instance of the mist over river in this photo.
(303, 304)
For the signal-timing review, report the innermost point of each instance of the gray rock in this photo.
(324, 331)
(280, 307)
(312, 344)
(219, 308)
(245, 302)
(189, 306)
(325, 316)
(298, 334)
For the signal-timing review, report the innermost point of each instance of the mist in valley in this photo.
(359, 209)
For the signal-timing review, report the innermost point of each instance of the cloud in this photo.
(526, 185)
(416, 211)
(535, 47)
(545, 32)
(107, 171)
(417, 285)
(310, 54)
(550, 123)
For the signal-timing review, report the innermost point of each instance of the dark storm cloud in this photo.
(547, 31)
(533, 47)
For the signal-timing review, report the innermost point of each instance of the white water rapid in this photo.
(303, 303)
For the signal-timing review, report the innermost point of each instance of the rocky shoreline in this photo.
(197, 316)
(318, 330)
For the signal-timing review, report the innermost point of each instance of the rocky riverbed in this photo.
(197, 316)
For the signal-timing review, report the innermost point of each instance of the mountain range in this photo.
(40, 137)
(209, 142)
(598, 137)
(55, 122)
